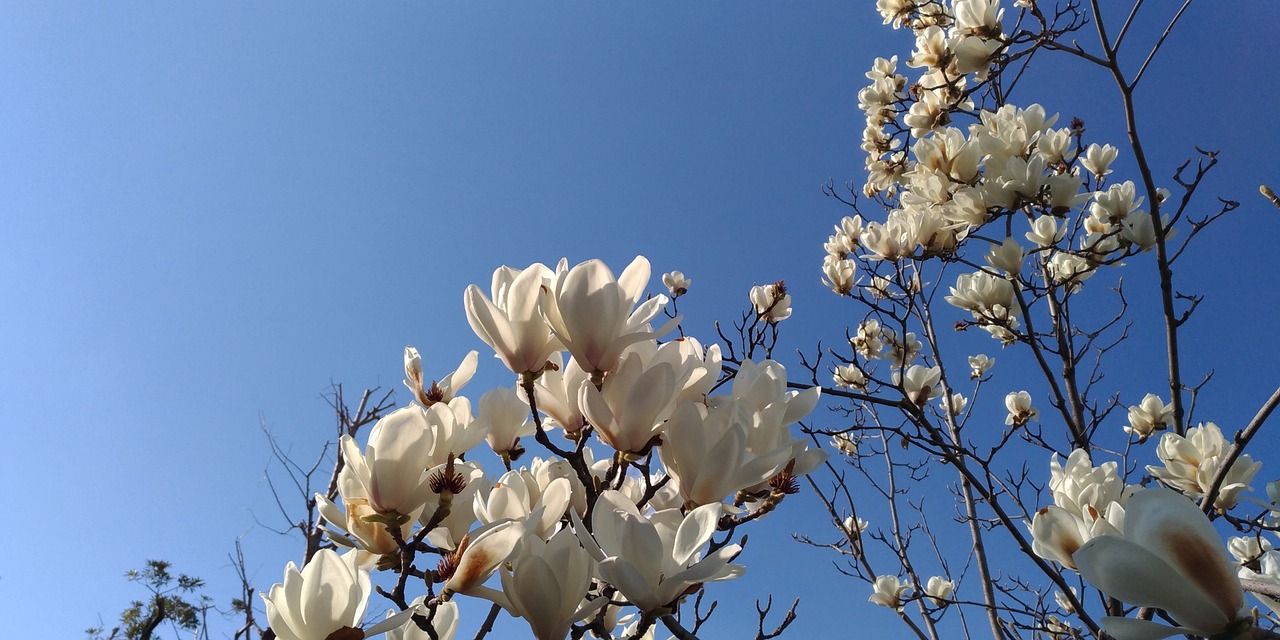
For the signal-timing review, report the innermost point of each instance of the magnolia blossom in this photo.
(1192, 461)
(855, 526)
(478, 555)
(1089, 502)
(869, 342)
(1169, 558)
(511, 322)
(517, 496)
(392, 472)
(840, 274)
(444, 390)
(653, 561)
(939, 590)
(920, 383)
(676, 284)
(771, 301)
(629, 410)
(444, 621)
(1064, 603)
(1020, 410)
(953, 403)
(556, 394)
(504, 417)
(979, 365)
(1007, 257)
(1097, 159)
(328, 596)
(596, 315)
(547, 585)
(1083, 489)
(849, 376)
(1148, 416)
(706, 450)
(887, 591)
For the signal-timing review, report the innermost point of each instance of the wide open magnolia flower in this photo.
(547, 585)
(654, 561)
(1169, 558)
(512, 322)
(1191, 462)
(327, 599)
(595, 315)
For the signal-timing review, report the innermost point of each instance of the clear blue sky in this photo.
(208, 212)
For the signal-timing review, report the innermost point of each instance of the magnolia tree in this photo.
(633, 460)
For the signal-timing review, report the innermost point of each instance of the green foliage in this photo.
(176, 600)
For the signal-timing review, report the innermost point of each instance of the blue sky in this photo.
(212, 211)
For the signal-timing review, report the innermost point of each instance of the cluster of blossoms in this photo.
(570, 536)
(1149, 547)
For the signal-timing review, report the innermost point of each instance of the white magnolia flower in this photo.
(653, 561)
(1007, 257)
(1057, 534)
(1063, 602)
(920, 383)
(596, 316)
(392, 472)
(505, 419)
(634, 402)
(676, 284)
(1148, 416)
(480, 554)
(1045, 232)
(855, 526)
(1020, 410)
(979, 365)
(840, 274)
(761, 390)
(444, 621)
(939, 590)
(849, 377)
(444, 390)
(869, 342)
(453, 527)
(953, 403)
(1084, 490)
(512, 322)
(887, 591)
(1170, 558)
(771, 302)
(328, 596)
(1191, 462)
(547, 585)
(706, 450)
(556, 394)
(517, 496)
(1068, 269)
(1246, 549)
(1097, 159)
